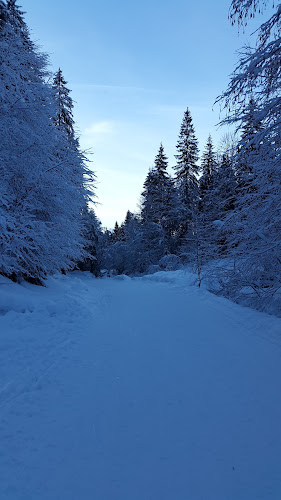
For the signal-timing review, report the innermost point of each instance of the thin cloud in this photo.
(99, 128)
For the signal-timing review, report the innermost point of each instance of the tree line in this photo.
(180, 217)
(219, 214)
(222, 217)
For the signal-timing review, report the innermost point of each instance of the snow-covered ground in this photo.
(136, 389)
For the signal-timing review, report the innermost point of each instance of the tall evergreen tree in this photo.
(187, 173)
(159, 199)
(187, 169)
(206, 183)
(208, 168)
(93, 243)
(219, 210)
(64, 104)
(248, 147)
(225, 186)
(129, 217)
(118, 233)
(148, 197)
(207, 209)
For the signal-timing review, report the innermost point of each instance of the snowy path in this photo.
(137, 390)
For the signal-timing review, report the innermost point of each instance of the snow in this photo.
(136, 389)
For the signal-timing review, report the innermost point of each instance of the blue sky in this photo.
(133, 68)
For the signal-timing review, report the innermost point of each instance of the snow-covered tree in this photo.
(253, 102)
(217, 235)
(187, 173)
(258, 71)
(148, 197)
(140, 247)
(40, 207)
(64, 104)
(203, 232)
(249, 146)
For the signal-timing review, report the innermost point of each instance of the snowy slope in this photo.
(136, 389)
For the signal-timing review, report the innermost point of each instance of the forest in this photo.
(219, 214)
(141, 361)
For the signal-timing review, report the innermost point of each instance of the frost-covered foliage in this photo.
(41, 196)
(77, 173)
(141, 245)
(258, 70)
(170, 262)
(253, 102)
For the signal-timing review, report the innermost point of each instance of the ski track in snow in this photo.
(136, 389)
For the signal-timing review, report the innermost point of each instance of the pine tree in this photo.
(159, 200)
(154, 189)
(248, 147)
(148, 198)
(208, 169)
(218, 237)
(225, 186)
(93, 243)
(207, 209)
(129, 217)
(64, 105)
(117, 233)
(15, 15)
(187, 172)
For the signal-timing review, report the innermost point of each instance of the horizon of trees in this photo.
(219, 213)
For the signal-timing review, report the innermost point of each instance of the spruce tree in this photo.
(248, 146)
(187, 169)
(208, 169)
(225, 186)
(158, 189)
(93, 243)
(148, 197)
(159, 199)
(187, 172)
(64, 104)
(207, 210)
(129, 217)
(117, 233)
(218, 208)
